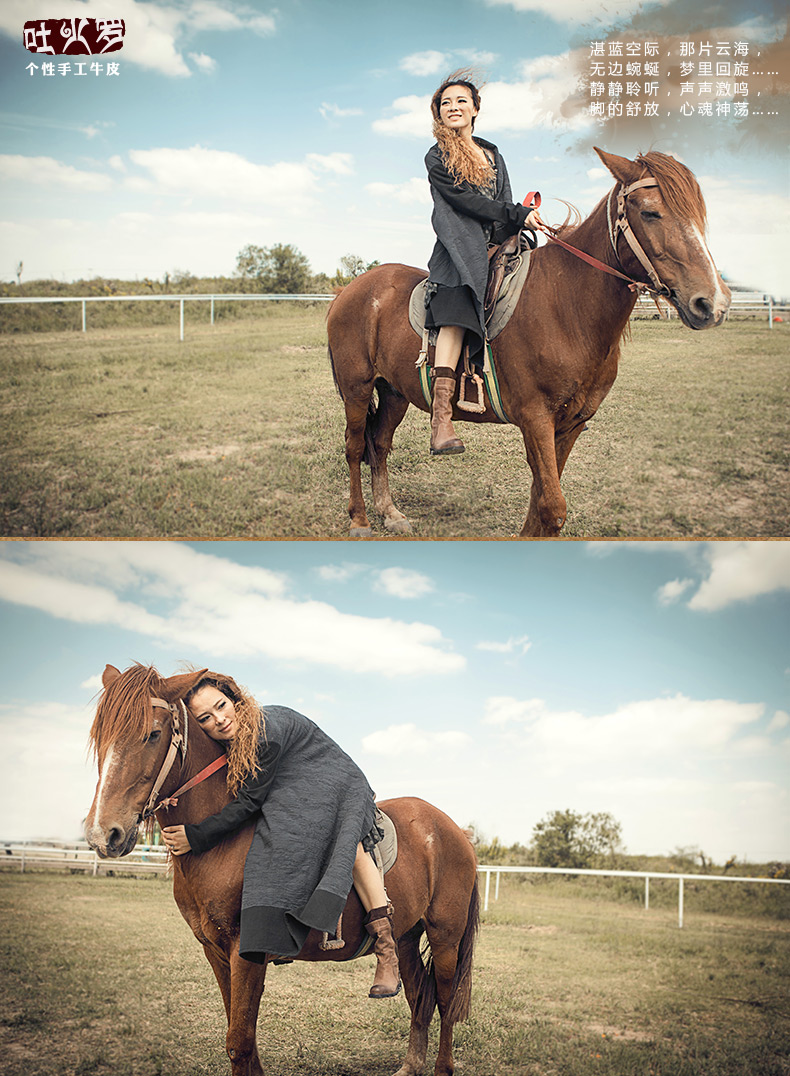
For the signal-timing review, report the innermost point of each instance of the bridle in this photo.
(623, 226)
(179, 735)
(620, 225)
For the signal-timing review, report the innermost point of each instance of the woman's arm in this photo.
(466, 199)
(204, 835)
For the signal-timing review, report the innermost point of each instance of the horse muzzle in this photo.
(702, 311)
(113, 841)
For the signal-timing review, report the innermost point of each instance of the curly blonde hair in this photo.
(251, 726)
(462, 162)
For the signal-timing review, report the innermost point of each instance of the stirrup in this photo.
(468, 374)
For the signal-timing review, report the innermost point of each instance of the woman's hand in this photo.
(176, 840)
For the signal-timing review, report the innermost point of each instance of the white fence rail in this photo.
(644, 307)
(647, 875)
(149, 859)
(144, 859)
(180, 299)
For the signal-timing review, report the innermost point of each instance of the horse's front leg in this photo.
(246, 988)
(547, 507)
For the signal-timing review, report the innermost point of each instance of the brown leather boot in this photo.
(443, 439)
(386, 983)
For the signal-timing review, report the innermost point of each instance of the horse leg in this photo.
(391, 409)
(414, 975)
(356, 422)
(563, 444)
(444, 953)
(246, 989)
(547, 507)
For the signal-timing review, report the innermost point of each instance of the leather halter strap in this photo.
(623, 225)
(620, 225)
(178, 741)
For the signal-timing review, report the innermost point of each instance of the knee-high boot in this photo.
(443, 438)
(386, 983)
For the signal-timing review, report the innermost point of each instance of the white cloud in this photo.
(518, 643)
(575, 11)
(204, 63)
(641, 730)
(329, 110)
(47, 172)
(673, 590)
(429, 62)
(340, 573)
(414, 191)
(780, 720)
(408, 739)
(403, 583)
(341, 163)
(212, 606)
(537, 100)
(199, 171)
(742, 571)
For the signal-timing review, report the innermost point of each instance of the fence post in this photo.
(181, 320)
(212, 309)
(83, 315)
(680, 904)
(770, 312)
(488, 889)
(496, 890)
(647, 892)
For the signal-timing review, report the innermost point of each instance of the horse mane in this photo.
(124, 711)
(678, 186)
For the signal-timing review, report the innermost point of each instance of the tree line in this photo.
(281, 269)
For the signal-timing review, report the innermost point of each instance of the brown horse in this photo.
(557, 357)
(141, 721)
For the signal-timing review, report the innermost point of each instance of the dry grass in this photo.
(238, 432)
(102, 976)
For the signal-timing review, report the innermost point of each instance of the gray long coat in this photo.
(465, 221)
(313, 806)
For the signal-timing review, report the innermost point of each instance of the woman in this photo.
(472, 210)
(315, 832)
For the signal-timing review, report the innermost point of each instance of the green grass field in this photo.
(102, 976)
(238, 432)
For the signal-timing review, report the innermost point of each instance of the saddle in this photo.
(503, 261)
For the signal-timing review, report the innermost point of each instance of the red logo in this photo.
(84, 37)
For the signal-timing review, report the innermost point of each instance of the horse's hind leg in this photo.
(391, 409)
(421, 996)
(356, 423)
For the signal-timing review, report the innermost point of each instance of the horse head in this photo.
(658, 204)
(133, 736)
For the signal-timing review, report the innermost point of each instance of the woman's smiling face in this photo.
(214, 712)
(456, 108)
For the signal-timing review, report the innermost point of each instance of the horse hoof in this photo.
(360, 532)
(451, 450)
(398, 526)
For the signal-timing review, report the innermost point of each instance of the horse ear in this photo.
(109, 675)
(620, 167)
(176, 687)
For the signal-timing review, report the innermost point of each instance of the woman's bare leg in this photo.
(378, 923)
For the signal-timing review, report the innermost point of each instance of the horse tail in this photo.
(334, 371)
(461, 994)
(369, 454)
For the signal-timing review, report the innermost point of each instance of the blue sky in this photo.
(306, 122)
(500, 681)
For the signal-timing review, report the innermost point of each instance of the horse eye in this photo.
(650, 214)
(152, 737)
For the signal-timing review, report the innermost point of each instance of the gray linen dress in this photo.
(313, 807)
(466, 219)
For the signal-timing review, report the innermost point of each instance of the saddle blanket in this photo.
(509, 293)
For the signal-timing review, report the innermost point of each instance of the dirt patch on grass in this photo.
(215, 452)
